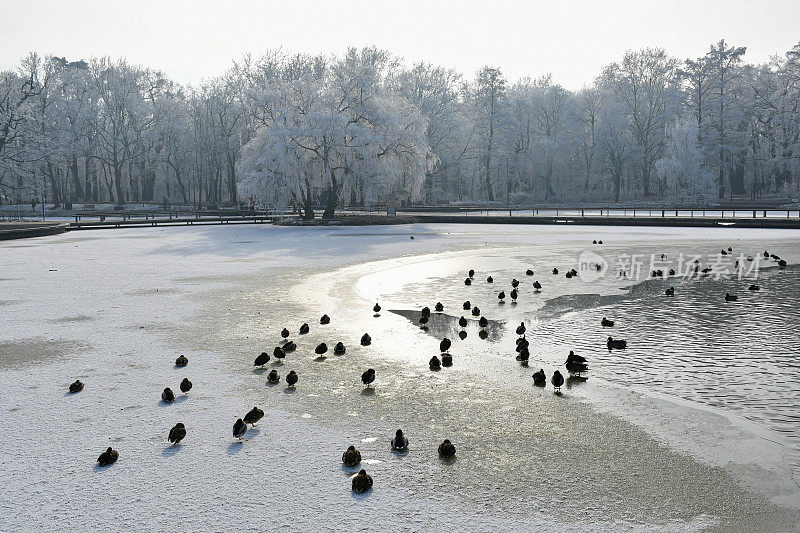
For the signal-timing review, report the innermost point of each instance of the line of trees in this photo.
(365, 128)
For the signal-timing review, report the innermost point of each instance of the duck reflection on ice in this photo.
(441, 325)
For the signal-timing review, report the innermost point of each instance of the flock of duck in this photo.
(576, 366)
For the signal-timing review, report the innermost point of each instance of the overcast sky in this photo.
(195, 39)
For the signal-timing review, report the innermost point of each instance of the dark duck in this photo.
(362, 482)
(177, 433)
(447, 449)
(253, 415)
(575, 364)
(261, 360)
(618, 344)
(168, 396)
(557, 380)
(107, 457)
(368, 377)
(399, 441)
(351, 457)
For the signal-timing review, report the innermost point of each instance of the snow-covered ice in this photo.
(115, 308)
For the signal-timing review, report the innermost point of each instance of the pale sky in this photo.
(195, 39)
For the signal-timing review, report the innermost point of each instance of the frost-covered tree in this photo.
(336, 134)
(681, 167)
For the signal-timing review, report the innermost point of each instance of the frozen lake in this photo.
(692, 427)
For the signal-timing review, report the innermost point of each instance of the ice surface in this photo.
(116, 308)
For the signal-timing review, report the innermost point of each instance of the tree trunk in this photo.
(78, 193)
(53, 184)
(333, 198)
(118, 184)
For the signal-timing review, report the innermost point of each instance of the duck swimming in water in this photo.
(181, 361)
(446, 449)
(754, 288)
(325, 319)
(368, 377)
(75, 386)
(261, 360)
(168, 396)
(239, 429)
(462, 322)
(177, 433)
(291, 378)
(730, 297)
(362, 482)
(435, 363)
(618, 344)
(539, 378)
(304, 328)
(606, 323)
(107, 457)
(557, 380)
(321, 348)
(185, 385)
(670, 291)
(399, 442)
(273, 376)
(339, 349)
(285, 333)
(253, 415)
(366, 340)
(351, 457)
(444, 345)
